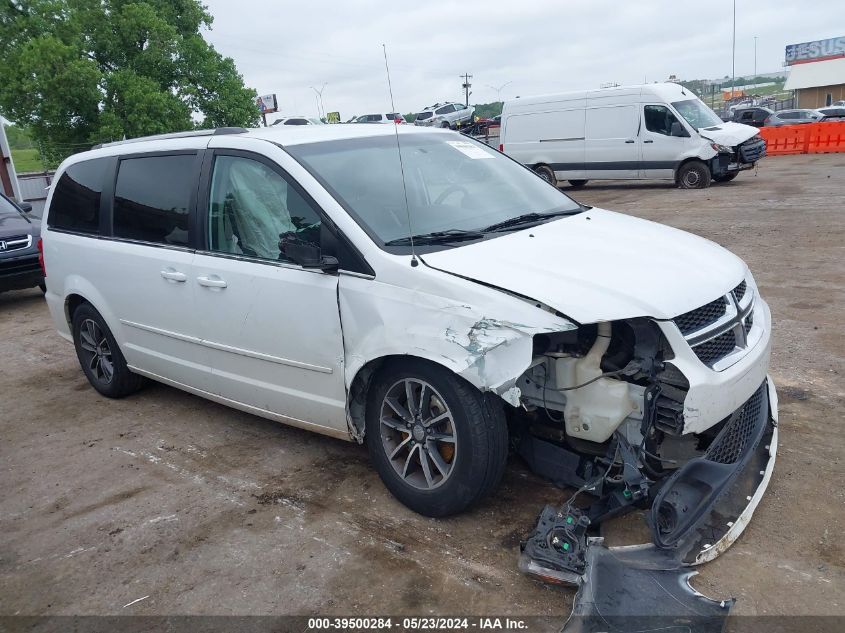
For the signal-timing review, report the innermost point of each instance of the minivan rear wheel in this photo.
(445, 124)
(438, 444)
(100, 357)
(546, 173)
(693, 175)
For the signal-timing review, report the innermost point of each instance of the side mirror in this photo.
(305, 254)
(26, 207)
(678, 130)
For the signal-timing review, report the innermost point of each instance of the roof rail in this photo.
(187, 134)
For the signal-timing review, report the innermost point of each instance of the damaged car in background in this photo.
(424, 294)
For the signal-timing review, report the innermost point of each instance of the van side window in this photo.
(251, 205)
(76, 200)
(659, 119)
(152, 198)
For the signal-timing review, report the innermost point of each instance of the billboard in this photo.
(333, 117)
(266, 104)
(815, 51)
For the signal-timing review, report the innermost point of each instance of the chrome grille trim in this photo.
(737, 319)
(15, 243)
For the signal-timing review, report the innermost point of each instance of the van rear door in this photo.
(612, 148)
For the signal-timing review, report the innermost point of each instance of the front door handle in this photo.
(173, 275)
(211, 282)
(648, 141)
(630, 140)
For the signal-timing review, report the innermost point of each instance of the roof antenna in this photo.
(414, 261)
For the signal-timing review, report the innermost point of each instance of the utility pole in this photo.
(466, 86)
(755, 56)
(733, 57)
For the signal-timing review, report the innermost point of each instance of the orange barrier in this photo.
(809, 138)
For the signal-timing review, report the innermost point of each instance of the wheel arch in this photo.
(78, 291)
(690, 159)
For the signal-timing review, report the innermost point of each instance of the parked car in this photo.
(798, 116)
(290, 272)
(838, 104)
(653, 131)
(758, 116)
(390, 117)
(832, 113)
(19, 238)
(449, 115)
(296, 120)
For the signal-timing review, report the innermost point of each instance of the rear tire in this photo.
(459, 433)
(446, 125)
(578, 183)
(546, 173)
(725, 178)
(693, 175)
(100, 357)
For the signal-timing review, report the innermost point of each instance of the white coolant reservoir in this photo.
(595, 411)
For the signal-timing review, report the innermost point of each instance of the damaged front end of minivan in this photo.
(623, 412)
(676, 417)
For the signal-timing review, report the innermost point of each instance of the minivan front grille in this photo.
(717, 348)
(722, 328)
(701, 317)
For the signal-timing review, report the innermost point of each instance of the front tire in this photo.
(100, 357)
(438, 444)
(694, 175)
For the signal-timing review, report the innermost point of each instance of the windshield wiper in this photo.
(527, 218)
(437, 237)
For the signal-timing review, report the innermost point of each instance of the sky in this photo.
(533, 47)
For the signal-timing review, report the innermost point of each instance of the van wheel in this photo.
(546, 173)
(100, 357)
(693, 175)
(578, 183)
(725, 178)
(438, 444)
(446, 125)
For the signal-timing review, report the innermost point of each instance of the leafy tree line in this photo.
(80, 72)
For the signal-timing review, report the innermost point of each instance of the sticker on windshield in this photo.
(468, 149)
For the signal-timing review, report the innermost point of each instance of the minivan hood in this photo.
(729, 133)
(600, 266)
(13, 223)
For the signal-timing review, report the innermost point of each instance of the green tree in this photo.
(79, 72)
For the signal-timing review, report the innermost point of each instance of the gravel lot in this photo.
(206, 510)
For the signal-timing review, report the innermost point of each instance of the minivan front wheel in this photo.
(693, 175)
(100, 357)
(438, 444)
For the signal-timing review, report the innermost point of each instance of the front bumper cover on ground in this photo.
(699, 513)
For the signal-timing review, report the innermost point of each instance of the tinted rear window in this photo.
(76, 200)
(424, 115)
(152, 198)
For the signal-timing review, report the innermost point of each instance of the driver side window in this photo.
(251, 206)
(659, 119)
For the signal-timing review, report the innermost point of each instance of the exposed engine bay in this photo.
(603, 413)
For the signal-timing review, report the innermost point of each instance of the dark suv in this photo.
(19, 259)
(757, 116)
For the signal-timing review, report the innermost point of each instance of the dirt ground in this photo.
(200, 509)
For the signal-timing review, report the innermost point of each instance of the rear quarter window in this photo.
(76, 199)
(152, 198)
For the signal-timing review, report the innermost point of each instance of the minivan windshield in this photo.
(457, 189)
(696, 113)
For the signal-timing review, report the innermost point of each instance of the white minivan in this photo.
(441, 318)
(652, 131)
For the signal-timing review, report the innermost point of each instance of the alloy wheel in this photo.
(418, 433)
(96, 351)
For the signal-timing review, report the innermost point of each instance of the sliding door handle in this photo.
(173, 275)
(648, 141)
(630, 140)
(211, 282)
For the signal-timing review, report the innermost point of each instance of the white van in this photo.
(653, 131)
